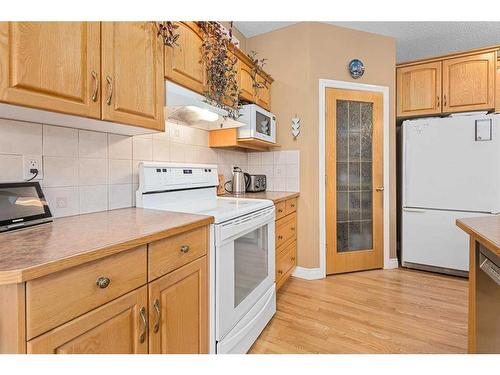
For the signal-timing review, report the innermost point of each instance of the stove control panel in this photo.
(174, 176)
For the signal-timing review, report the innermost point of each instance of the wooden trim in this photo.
(449, 56)
(12, 319)
(228, 138)
(471, 342)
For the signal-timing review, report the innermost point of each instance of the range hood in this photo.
(189, 108)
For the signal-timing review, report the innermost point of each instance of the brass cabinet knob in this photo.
(280, 210)
(103, 282)
(292, 229)
(184, 249)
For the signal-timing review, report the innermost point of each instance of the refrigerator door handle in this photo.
(414, 210)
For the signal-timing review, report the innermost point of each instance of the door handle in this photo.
(142, 336)
(380, 188)
(110, 90)
(437, 101)
(96, 86)
(156, 305)
(444, 100)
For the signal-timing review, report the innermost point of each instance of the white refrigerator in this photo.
(451, 170)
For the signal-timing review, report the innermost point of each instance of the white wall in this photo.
(87, 171)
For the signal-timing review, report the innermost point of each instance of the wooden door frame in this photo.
(343, 85)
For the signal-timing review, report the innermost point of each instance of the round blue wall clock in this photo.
(356, 68)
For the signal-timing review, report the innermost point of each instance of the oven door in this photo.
(264, 125)
(245, 259)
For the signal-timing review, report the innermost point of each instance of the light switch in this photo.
(483, 130)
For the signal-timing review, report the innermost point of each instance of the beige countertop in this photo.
(66, 242)
(275, 196)
(486, 229)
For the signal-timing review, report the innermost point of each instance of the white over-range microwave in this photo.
(259, 123)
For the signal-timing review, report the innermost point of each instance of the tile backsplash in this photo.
(86, 171)
(282, 168)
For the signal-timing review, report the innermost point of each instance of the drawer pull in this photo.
(280, 237)
(142, 336)
(280, 272)
(156, 305)
(103, 282)
(292, 259)
(184, 249)
(292, 205)
(280, 210)
(292, 229)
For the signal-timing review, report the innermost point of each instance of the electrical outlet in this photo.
(32, 162)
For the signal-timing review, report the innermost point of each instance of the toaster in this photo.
(257, 183)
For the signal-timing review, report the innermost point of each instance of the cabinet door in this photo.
(51, 65)
(118, 327)
(419, 89)
(469, 83)
(133, 89)
(497, 93)
(263, 97)
(183, 62)
(179, 311)
(247, 89)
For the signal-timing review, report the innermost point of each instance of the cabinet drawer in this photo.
(171, 253)
(55, 299)
(285, 263)
(290, 206)
(285, 229)
(280, 210)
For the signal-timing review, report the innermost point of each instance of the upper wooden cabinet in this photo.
(132, 74)
(419, 89)
(51, 65)
(469, 82)
(245, 81)
(179, 311)
(456, 83)
(183, 62)
(263, 92)
(497, 94)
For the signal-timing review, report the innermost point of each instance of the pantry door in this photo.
(354, 180)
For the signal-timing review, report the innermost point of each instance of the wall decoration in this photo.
(221, 67)
(356, 68)
(295, 127)
(166, 31)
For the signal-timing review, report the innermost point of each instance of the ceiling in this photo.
(414, 40)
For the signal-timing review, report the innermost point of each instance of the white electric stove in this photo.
(242, 248)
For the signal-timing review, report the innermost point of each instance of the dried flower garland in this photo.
(257, 67)
(166, 31)
(221, 67)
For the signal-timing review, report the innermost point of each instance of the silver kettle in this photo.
(239, 183)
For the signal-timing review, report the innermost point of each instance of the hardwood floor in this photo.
(381, 311)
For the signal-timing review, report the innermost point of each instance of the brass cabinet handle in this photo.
(142, 313)
(103, 282)
(110, 89)
(280, 210)
(184, 249)
(96, 86)
(156, 305)
(292, 205)
(437, 97)
(292, 259)
(292, 229)
(444, 100)
(380, 188)
(280, 272)
(280, 237)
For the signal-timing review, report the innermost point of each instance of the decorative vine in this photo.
(257, 67)
(166, 31)
(221, 67)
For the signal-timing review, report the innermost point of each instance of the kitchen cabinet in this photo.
(111, 71)
(419, 89)
(497, 82)
(454, 83)
(51, 65)
(286, 240)
(263, 92)
(132, 74)
(245, 81)
(179, 310)
(184, 61)
(228, 138)
(152, 298)
(469, 82)
(119, 327)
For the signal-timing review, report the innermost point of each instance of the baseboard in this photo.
(308, 273)
(392, 264)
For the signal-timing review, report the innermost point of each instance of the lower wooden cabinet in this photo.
(178, 311)
(118, 327)
(286, 240)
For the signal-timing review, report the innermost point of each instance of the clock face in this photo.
(356, 68)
